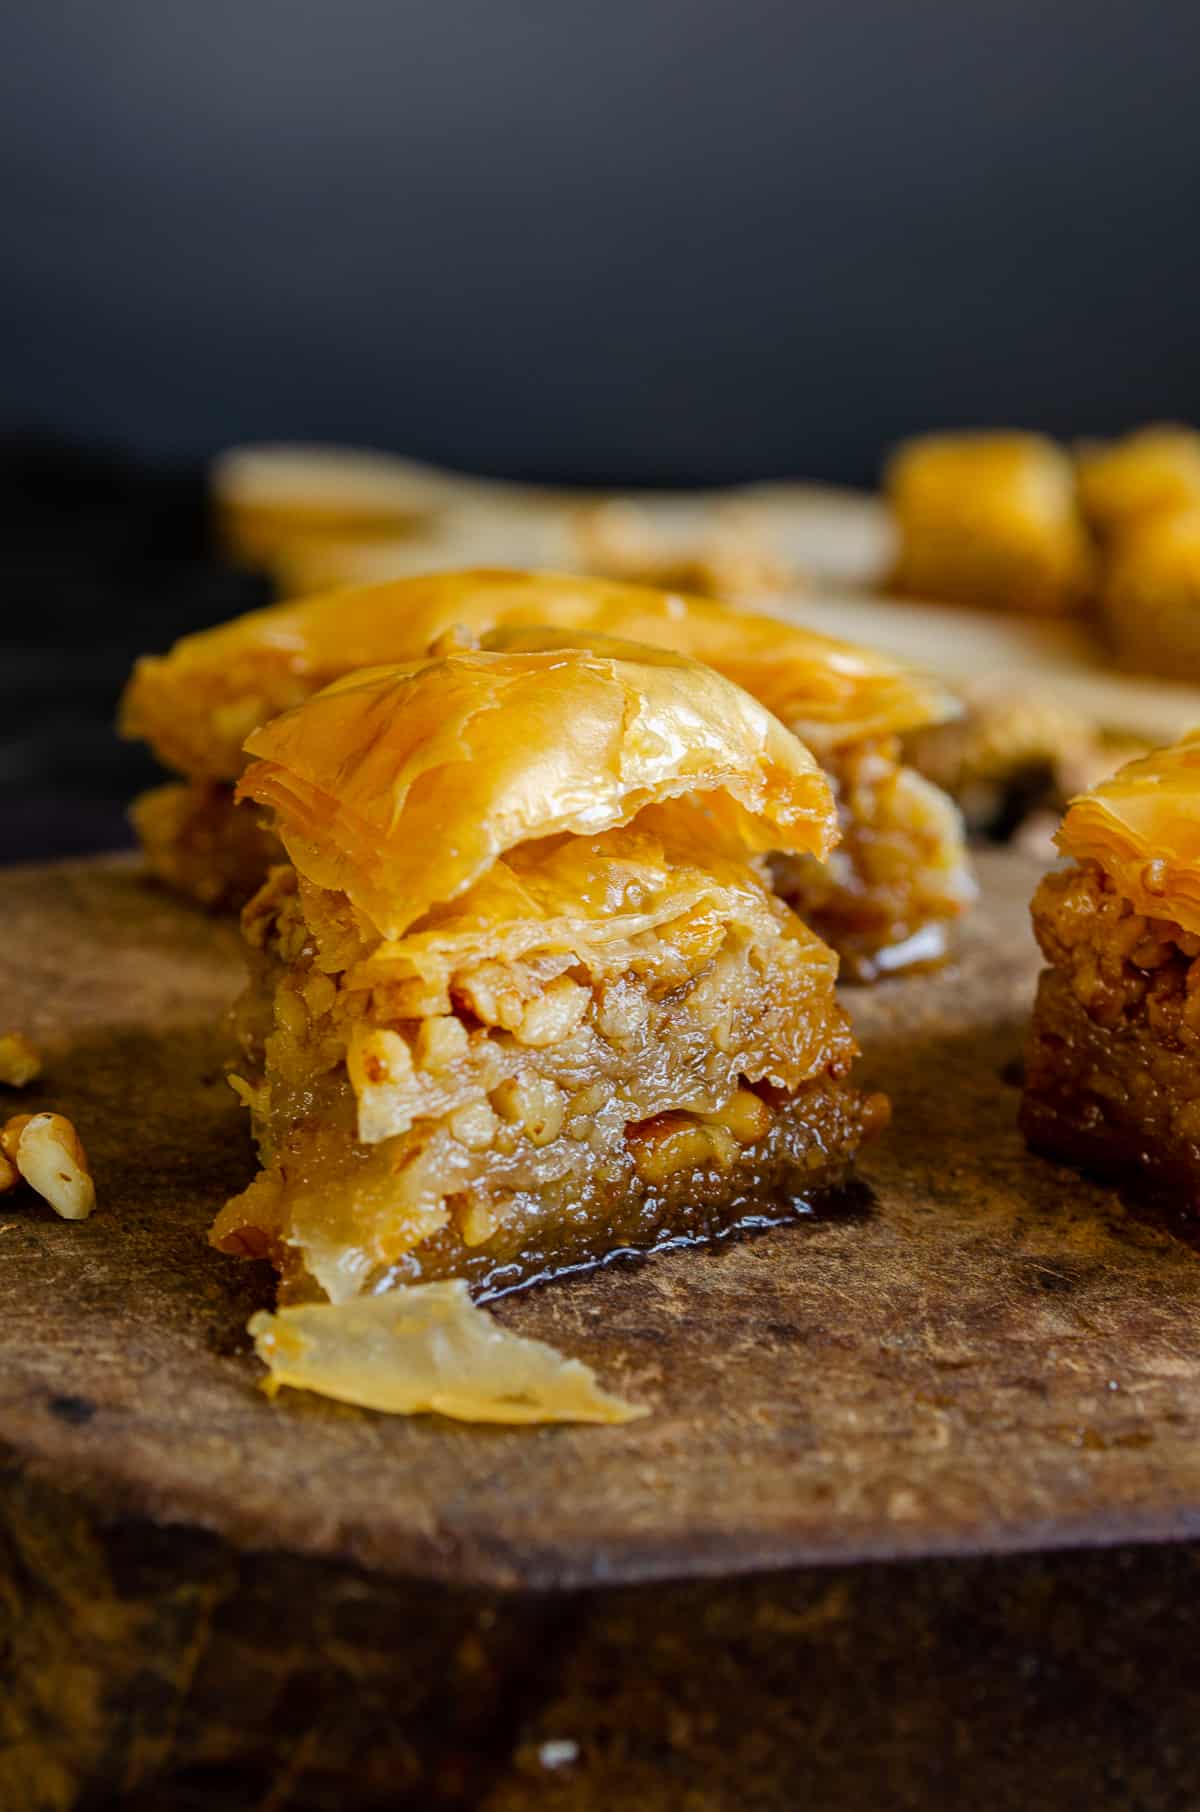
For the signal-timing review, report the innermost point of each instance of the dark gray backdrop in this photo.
(625, 239)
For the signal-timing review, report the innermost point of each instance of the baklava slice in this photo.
(1113, 1065)
(1150, 601)
(522, 996)
(989, 519)
(1151, 472)
(270, 499)
(887, 898)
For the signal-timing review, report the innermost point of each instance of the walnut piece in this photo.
(19, 1062)
(48, 1152)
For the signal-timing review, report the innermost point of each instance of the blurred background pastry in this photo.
(1150, 601)
(1152, 471)
(989, 519)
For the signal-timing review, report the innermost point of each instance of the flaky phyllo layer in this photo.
(196, 705)
(598, 1039)
(1142, 828)
(891, 894)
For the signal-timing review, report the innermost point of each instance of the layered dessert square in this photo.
(522, 995)
(1113, 1067)
(1148, 473)
(989, 519)
(1150, 601)
(275, 501)
(889, 896)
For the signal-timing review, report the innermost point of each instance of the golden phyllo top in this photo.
(1142, 827)
(401, 786)
(197, 704)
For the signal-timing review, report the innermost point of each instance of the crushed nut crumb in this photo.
(20, 1063)
(48, 1152)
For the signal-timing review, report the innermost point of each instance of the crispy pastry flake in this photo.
(528, 745)
(197, 704)
(1142, 827)
(429, 1348)
(901, 875)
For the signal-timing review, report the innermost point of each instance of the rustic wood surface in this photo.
(987, 1354)
(166, 1671)
(216, 1603)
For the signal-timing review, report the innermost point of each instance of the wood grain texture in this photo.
(991, 1355)
(148, 1669)
(212, 1602)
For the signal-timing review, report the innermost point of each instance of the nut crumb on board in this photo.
(48, 1153)
(20, 1063)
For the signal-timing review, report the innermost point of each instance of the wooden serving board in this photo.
(220, 1604)
(987, 1354)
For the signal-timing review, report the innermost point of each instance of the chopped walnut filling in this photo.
(1119, 964)
(434, 1091)
(1112, 1079)
(888, 894)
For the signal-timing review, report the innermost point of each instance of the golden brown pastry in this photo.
(1151, 595)
(270, 500)
(1122, 482)
(522, 996)
(1113, 1066)
(900, 874)
(989, 519)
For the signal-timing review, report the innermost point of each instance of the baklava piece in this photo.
(522, 997)
(888, 897)
(270, 499)
(1123, 482)
(1151, 596)
(989, 519)
(1113, 1065)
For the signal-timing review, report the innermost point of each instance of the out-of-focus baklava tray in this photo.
(973, 1351)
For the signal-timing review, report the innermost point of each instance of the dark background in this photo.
(635, 241)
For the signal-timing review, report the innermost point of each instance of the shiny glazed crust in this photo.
(197, 705)
(1141, 827)
(401, 785)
